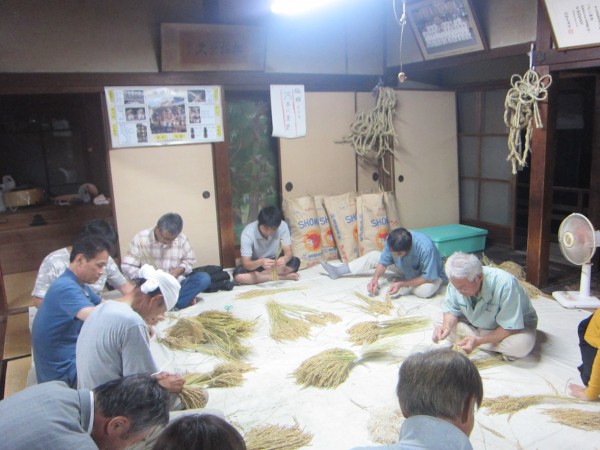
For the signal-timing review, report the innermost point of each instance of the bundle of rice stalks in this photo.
(384, 426)
(327, 369)
(254, 293)
(272, 437)
(331, 368)
(514, 269)
(291, 322)
(519, 273)
(576, 418)
(369, 332)
(212, 332)
(509, 405)
(487, 361)
(193, 396)
(186, 334)
(374, 307)
(227, 322)
(226, 375)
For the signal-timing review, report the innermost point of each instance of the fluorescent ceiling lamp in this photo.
(291, 7)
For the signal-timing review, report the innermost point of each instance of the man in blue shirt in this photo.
(68, 302)
(494, 310)
(437, 391)
(416, 260)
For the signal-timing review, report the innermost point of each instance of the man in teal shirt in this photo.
(492, 303)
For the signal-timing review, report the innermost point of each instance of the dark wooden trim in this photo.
(63, 83)
(594, 210)
(540, 190)
(223, 196)
(496, 233)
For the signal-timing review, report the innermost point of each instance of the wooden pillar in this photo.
(540, 189)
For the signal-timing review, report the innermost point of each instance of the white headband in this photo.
(158, 279)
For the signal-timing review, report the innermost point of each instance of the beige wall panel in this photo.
(365, 102)
(89, 36)
(315, 164)
(427, 158)
(148, 182)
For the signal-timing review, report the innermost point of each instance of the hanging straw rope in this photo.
(372, 133)
(521, 110)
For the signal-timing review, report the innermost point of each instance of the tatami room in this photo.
(384, 111)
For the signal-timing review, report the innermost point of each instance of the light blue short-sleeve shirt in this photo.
(422, 260)
(255, 246)
(501, 302)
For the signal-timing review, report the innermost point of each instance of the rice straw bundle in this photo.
(327, 369)
(369, 332)
(322, 318)
(518, 272)
(212, 332)
(254, 293)
(513, 268)
(291, 322)
(374, 307)
(364, 332)
(384, 426)
(225, 375)
(506, 404)
(274, 273)
(487, 361)
(576, 418)
(271, 437)
(227, 322)
(193, 396)
(186, 334)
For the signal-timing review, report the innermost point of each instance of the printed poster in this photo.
(153, 115)
(288, 109)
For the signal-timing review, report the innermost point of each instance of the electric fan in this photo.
(578, 241)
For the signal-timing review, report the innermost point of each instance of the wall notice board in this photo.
(574, 23)
(141, 116)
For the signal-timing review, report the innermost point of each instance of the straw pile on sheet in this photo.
(270, 397)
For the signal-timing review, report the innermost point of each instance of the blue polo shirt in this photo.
(501, 302)
(423, 259)
(56, 327)
(255, 246)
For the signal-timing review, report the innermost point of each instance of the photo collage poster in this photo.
(152, 115)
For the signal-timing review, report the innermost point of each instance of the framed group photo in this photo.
(444, 27)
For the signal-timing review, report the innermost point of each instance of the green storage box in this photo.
(456, 238)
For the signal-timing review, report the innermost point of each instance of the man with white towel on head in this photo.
(115, 340)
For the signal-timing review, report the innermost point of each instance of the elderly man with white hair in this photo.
(493, 309)
(115, 339)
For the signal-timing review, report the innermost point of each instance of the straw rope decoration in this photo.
(522, 112)
(372, 133)
(271, 437)
(291, 322)
(369, 332)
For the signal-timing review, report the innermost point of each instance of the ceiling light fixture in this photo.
(293, 7)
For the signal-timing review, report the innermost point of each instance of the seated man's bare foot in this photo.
(291, 276)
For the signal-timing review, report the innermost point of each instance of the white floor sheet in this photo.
(338, 417)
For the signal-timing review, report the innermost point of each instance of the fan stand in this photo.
(581, 299)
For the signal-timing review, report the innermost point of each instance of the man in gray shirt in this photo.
(115, 341)
(54, 416)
